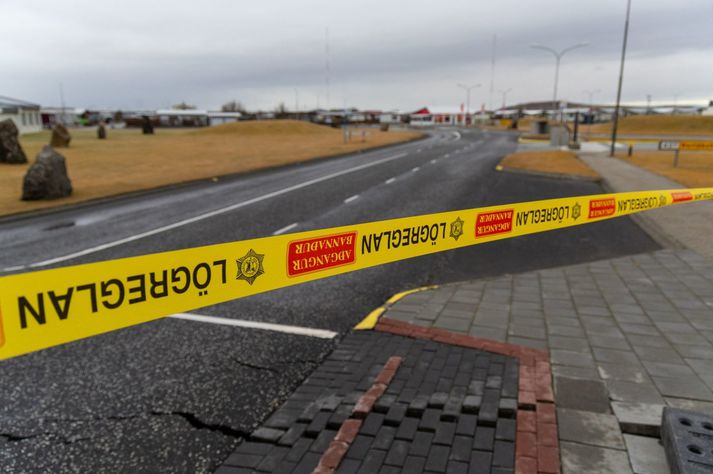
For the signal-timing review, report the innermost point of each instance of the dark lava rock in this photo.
(146, 125)
(10, 149)
(47, 177)
(101, 131)
(60, 137)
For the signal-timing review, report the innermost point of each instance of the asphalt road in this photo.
(176, 395)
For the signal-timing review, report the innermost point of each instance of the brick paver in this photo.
(418, 421)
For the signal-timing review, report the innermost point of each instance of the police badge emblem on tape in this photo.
(250, 266)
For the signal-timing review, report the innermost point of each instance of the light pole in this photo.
(675, 104)
(591, 93)
(468, 88)
(505, 95)
(558, 56)
(621, 80)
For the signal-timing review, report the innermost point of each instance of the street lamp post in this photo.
(505, 95)
(615, 125)
(468, 88)
(558, 57)
(591, 93)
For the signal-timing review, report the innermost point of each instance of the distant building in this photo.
(219, 118)
(51, 116)
(708, 110)
(26, 115)
(427, 116)
(390, 117)
(182, 118)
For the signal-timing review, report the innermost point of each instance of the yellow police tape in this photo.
(46, 308)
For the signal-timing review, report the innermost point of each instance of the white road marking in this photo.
(457, 136)
(207, 215)
(14, 269)
(416, 169)
(390, 180)
(446, 155)
(433, 162)
(350, 199)
(418, 151)
(285, 229)
(241, 323)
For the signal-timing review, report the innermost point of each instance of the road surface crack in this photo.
(197, 423)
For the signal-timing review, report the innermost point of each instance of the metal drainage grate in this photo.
(688, 440)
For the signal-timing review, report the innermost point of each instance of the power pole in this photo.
(326, 64)
(61, 103)
(492, 73)
(621, 79)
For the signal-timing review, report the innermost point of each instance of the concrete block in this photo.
(688, 440)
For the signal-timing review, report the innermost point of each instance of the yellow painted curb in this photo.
(370, 321)
(372, 318)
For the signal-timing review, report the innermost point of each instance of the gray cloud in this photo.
(398, 54)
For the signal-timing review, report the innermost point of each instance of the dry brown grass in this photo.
(659, 124)
(695, 169)
(557, 162)
(129, 161)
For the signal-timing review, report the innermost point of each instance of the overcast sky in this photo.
(382, 54)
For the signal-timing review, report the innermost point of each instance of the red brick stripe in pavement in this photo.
(350, 428)
(536, 444)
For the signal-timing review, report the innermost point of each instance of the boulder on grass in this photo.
(10, 149)
(60, 137)
(146, 125)
(47, 177)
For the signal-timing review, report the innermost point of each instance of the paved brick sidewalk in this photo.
(444, 408)
(625, 336)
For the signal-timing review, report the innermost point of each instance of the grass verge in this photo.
(658, 124)
(695, 169)
(554, 162)
(128, 161)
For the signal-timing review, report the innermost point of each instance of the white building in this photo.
(390, 117)
(26, 115)
(427, 116)
(219, 118)
(708, 110)
(182, 118)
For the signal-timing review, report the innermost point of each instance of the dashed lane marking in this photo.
(241, 323)
(390, 180)
(285, 229)
(207, 215)
(350, 199)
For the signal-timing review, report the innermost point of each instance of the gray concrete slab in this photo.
(646, 454)
(585, 427)
(579, 458)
